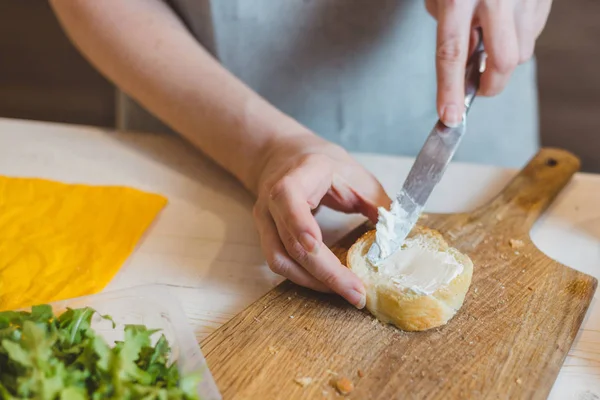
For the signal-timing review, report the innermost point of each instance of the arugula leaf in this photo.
(49, 357)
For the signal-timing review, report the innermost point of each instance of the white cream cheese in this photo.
(385, 234)
(420, 269)
(392, 228)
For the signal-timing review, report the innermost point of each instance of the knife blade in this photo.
(394, 226)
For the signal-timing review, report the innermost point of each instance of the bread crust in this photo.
(402, 307)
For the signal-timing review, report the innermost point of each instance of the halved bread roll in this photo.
(420, 287)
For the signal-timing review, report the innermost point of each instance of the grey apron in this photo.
(358, 73)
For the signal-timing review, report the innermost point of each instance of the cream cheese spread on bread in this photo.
(420, 268)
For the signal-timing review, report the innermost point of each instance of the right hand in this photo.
(510, 30)
(301, 173)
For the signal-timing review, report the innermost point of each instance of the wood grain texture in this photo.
(509, 340)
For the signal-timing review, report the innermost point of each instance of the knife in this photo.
(394, 226)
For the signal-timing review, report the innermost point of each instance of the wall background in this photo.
(43, 77)
(569, 79)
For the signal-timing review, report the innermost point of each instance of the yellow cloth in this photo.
(59, 241)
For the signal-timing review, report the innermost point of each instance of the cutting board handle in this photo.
(533, 189)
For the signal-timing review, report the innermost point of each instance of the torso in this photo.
(358, 73)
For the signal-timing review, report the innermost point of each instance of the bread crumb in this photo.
(423, 373)
(519, 381)
(499, 217)
(475, 290)
(304, 381)
(256, 319)
(289, 298)
(344, 386)
(330, 372)
(325, 393)
(516, 243)
(291, 316)
(360, 373)
(273, 350)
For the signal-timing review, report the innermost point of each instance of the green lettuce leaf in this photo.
(48, 357)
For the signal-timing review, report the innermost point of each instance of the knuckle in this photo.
(265, 188)
(296, 251)
(279, 265)
(330, 280)
(525, 55)
(450, 51)
(280, 188)
(493, 90)
(506, 62)
(315, 158)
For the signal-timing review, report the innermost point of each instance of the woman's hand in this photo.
(510, 29)
(301, 173)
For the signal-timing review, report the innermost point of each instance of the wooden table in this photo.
(204, 244)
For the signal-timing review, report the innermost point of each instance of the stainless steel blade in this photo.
(428, 169)
(426, 172)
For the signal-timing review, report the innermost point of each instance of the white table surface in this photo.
(205, 246)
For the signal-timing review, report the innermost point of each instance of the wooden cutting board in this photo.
(509, 340)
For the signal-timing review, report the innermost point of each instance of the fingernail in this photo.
(309, 243)
(357, 298)
(450, 116)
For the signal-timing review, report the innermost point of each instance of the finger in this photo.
(500, 41)
(315, 179)
(454, 28)
(525, 30)
(473, 39)
(364, 198)
(295, 195)
(431, 7)
(325, 267)
(296, 227)
(541, 12)
(278, 258)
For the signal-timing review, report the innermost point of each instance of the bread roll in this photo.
(420, 287)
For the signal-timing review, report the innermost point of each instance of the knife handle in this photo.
(475, 67)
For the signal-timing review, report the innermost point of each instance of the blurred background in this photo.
(43, 77)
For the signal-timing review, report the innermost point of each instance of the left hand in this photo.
(510, 29)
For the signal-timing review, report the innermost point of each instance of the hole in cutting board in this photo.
(551, 162)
